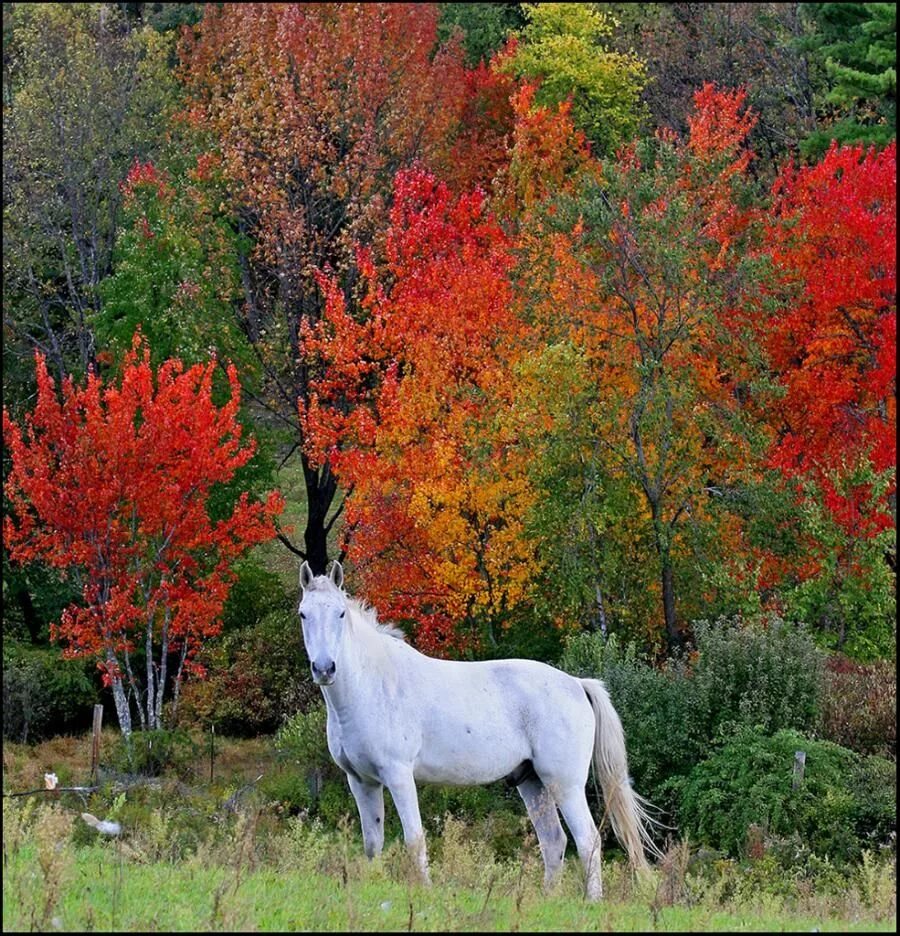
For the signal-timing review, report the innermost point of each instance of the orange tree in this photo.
(111, 484)
(314, 108)
(407, 411)
(645, 260)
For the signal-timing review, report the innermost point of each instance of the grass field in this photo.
(259, 871)
(184, 864)
(100, 889)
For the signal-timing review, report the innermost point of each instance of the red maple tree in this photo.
(111, 484)
(833, 239)
(404, 408)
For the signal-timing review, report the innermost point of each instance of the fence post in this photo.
(799, 766)
(95, 741)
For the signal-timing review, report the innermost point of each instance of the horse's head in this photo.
(323, 616)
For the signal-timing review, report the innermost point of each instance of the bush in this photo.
(302, 741)
(664, 737)
(255, 594)
(152, 752)
(765, 673)
(43, 694)
(859, 706)
(843, 805)
(259, 676)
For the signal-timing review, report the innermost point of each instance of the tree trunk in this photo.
(673, 636)
(661, 538)
(320, 491)
(123, 712)
(29, 615)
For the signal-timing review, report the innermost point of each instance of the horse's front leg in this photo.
(400, 782)
(370, 802)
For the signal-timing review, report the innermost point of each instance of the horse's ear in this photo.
(306, 575)
(337, 574)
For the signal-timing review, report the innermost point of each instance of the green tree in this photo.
(484, 26)
(567, 46)
(84, 94)
(856, 45)
(658, 244)
(176, 270)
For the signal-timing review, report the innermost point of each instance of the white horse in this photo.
(396, 716)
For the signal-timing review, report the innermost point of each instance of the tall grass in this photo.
(255, 872)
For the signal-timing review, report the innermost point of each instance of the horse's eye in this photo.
(343, 613)
(303, 615)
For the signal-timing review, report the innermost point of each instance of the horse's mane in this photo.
(360, 611)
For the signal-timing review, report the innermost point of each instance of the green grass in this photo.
(104, 892)
(254, 874)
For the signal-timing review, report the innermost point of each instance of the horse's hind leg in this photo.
(574, 807)
(370, 802)
(545, 819)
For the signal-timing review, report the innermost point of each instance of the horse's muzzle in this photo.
(323, 672)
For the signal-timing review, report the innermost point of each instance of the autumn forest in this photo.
(560, 318)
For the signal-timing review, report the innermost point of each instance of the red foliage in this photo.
(111, 484)
(400, 401)
(833, 239)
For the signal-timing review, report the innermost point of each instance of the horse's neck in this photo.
(367, 663)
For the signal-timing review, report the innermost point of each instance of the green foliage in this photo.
(566, 46)
(258, 676)
(856, 45)
(84, 94)
(302, 741)
(851, 600)
(842, 806)
(255, 594)
(176, 271)
(588, 548)
(44, 695)
(34, 595)
(859, 706)
(765, 673)
(664, 736)
(153, 752)
(484, 26)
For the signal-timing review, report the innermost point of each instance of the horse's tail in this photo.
(627, 809)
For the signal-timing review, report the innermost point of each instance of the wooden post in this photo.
(799, 766)
(95, 741)
(212, 750)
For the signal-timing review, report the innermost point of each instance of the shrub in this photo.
(663, 736)
(258, 676)
(843, 805)
(302, 741)
(152, 752)
(764, 673)
(859, 706)
(255, 594)
(43, 694)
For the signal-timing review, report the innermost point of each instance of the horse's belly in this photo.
(466, 755)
